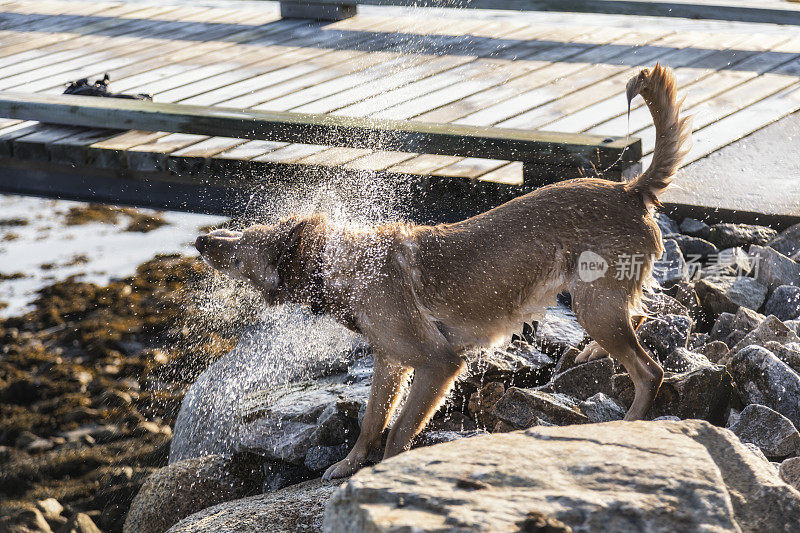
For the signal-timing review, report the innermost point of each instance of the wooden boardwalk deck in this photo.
(470, 71)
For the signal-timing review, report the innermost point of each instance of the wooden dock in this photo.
(465, 71)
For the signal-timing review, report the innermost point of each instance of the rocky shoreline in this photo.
(91, 382)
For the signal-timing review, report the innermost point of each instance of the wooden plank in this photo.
(317, 11)
(249, 150)
(465, 88)
(378, 160)
(545, 84)
(194, 159)
(35, 145)
(728, 103)
(290, 153)
(255, 92)
(9, 133)
(334, 156)
(693, 78)
(66, 54)
(745, 121)
(318, 129)
(743, 12)
(74, 149)
(470, 167)
(161, 57)
(110, 153)
(123, 52)
(274, 71)
(346, 90)
(34, 41)
(614, 106)
(22, 40)
(148, 39)
(152, 156)
(605, 80)
(535, 55)
(281, 67)
(508, 174)
(425, 164)
(169, 63)
(478, 73)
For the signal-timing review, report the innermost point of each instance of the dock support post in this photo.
(317, 11)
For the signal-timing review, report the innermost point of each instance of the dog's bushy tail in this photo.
(673, 135)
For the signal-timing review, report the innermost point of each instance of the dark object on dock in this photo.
(82, 87)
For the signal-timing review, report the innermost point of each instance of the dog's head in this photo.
(258, 255)
(647, 80)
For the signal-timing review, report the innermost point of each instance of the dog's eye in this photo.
(237, 263)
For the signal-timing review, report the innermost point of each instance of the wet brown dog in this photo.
(422, 295)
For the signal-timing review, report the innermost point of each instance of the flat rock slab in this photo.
(615, 476)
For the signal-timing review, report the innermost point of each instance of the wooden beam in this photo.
(435, 198)
(740, 11)
(536, 147)
(317, 10)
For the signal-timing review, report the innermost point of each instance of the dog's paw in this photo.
(343, 468)
(591, 352)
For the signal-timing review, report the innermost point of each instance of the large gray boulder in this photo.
(788, 242)
(762, 378)
(288, 345)
(285, 423)
(731, 235)
(185, 487)
(703, 392)
(665, 334)
(784, 302)
(584, 380)
(298, 508)
(770, 330)
(772, 432)
(724, 294)
(615, 476)
(523, 408)
(773, 268)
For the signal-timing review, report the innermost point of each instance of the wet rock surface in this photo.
(784, 302)
(725, 294)
(774, 268)
(102, 385)
(762, 378)
(289, 510)
(183, 488)
(732, 235)
(705, 478)
(773, 433)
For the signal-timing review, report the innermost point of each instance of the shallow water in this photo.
(110, 252)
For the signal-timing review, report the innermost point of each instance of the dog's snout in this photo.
(201, 243)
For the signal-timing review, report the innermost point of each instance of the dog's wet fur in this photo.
(423, 295)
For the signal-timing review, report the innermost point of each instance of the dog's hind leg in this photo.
(605, 314)
(594, 351)
(387, 381)
(430, 386)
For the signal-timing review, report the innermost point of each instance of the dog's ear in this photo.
(289, 246)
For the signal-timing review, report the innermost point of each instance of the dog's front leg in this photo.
(387, 381)
(429, 388)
